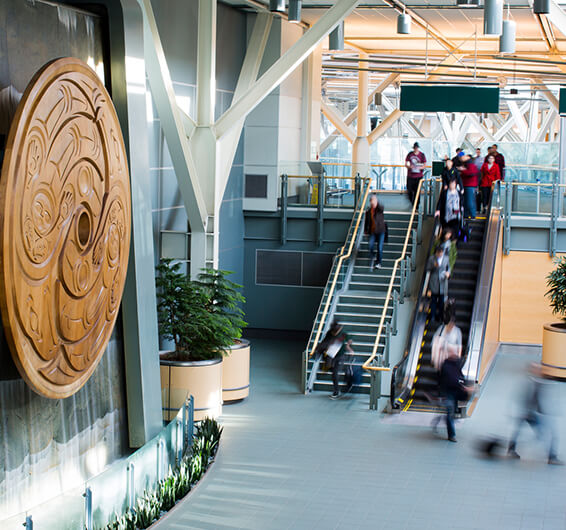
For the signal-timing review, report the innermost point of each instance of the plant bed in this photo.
(204, 320)
(554, 334)
(154, 503)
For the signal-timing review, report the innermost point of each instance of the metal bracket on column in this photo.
(395, 311)
(414, 250)
(554, 218)
(387, 343)
(507, 218)
(320, 211)
(29, 523)
(284, 198)
(88, 509)
(357, 188)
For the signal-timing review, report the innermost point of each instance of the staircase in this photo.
(361, 299)
(461, 287)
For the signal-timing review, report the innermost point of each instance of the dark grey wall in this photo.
(177, 24)
(43, 441)
(284, 307)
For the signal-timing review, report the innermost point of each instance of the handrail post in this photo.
(538, 195)
(414, 250)
(402, 282)
(407, 276)
(357, 189)
(507, 218)
(88, 509)
(320, 210)
(387, 343)
(420, 221)
(304, 371)
(514, 196)
(554, 219)
(29, 523)
(375, 384)
(395, 311)
(284, 199)
(131, 470)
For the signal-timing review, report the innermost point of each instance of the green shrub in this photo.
(556, 283)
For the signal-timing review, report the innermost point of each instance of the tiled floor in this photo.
(306, 462)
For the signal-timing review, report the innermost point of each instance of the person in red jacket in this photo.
(490, 172)
(470, 178)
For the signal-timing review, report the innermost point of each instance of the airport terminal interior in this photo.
(282, 264)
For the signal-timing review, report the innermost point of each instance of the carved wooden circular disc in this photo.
(64, 227)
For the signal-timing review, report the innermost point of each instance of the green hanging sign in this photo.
(562, 102)
(449, 98)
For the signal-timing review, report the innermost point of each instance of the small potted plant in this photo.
(225, 299)
(554, 334)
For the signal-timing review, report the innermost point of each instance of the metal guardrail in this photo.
(344, 253)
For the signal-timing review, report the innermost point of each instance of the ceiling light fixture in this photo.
(403, 24)
(507, 37)
(493, 17)
(541, 7)
(469, 3)
(294, 15)
(277, 6)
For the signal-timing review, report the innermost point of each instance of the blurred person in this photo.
(449, 207)
(338, 344)
(457, 160)
(489, 174)
(478, 158)
(536, 412)
(375, 228)
(439, 268)
(446, 239)
(447, 339)
(450, 173)
(470, 178)
(452, 388)
(415, 163)
(499, 160)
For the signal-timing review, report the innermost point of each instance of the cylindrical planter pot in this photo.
(554, 350)
(236, 372)
(201, 379)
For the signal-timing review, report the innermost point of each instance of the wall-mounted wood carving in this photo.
(64, 227)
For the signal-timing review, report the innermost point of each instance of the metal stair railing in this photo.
(376, 364)
(338, 275)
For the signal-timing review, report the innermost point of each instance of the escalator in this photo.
(461, 287)
(414, 385)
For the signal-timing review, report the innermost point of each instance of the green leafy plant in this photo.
(201, 317)
(177, 483)
(556, 283)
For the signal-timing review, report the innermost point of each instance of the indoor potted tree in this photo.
(225, 299)
(200, 338)
(554, 335)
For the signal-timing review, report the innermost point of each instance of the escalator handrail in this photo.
(421, 309)
(342, 256)
(480, 312)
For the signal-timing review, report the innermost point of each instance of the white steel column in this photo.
(562, 152)
(206, 62)
(360, 147)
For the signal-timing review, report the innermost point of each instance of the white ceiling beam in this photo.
(384, 126)
(519, 119)
(338, 121)
(482, 129)
(545, 126)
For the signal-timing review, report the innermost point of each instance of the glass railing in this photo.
(95, 503)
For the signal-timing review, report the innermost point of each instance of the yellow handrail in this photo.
(366, 365)
(342, 257)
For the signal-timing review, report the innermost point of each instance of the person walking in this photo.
(438, 267)
(499, 160)
(447, 339)
(375, 228)
(449, 207)
(452, 389)
(470, 178)
(338, 344)
(489, 174)
(536, 412)
(415, 163)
